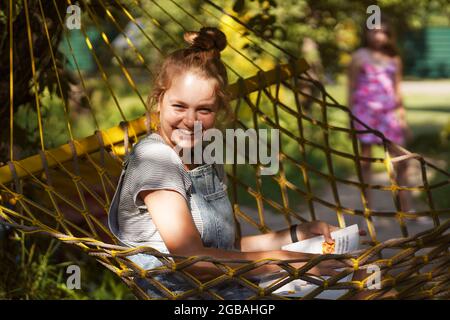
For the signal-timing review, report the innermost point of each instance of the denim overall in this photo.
(210, 195)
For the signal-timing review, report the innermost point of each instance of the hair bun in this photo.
(208, 38)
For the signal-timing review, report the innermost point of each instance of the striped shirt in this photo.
(152, 165)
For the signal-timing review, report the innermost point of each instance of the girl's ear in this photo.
(160, 100)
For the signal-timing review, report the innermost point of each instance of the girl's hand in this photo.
(408, 134)
(404, 125)
(327, 267)
(402, 116)
(317, 228)
(398, 102)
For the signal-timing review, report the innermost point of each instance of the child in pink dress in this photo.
(374, 97)
(374, 101)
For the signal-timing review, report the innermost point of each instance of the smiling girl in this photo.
(183, 209)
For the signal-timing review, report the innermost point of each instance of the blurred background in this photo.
(325, 33)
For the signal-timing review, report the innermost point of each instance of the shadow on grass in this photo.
(445, 109)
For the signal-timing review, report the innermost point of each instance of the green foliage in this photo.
(334, 25)
(110, 288)
(35, 268)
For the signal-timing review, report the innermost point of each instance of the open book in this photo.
(345, 240)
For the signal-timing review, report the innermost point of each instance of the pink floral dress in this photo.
(373, 102)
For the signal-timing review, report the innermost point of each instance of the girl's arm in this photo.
(352, 76)
(170, 213)
(275, 240)
(398, 79)
(398, 95)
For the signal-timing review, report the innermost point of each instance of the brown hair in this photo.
(389, 48)
(202, 57)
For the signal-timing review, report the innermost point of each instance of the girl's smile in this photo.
(189, 100)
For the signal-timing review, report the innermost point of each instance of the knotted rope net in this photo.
(65, 192)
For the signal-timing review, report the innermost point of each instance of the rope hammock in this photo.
(65, 192)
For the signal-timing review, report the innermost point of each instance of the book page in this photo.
(345, 240)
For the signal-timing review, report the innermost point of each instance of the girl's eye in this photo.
(178, 106)
(205, 111)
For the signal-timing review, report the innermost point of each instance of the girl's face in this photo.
(377, 38)
(190, 100)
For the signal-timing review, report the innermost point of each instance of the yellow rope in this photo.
(83, 84)
(71, 186)
(129, 42)
(150, 40)
(115, 134)
(65, 106)
(118, 59)
(35, 82)
(11, 82)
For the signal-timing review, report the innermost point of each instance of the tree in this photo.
(333, 24)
